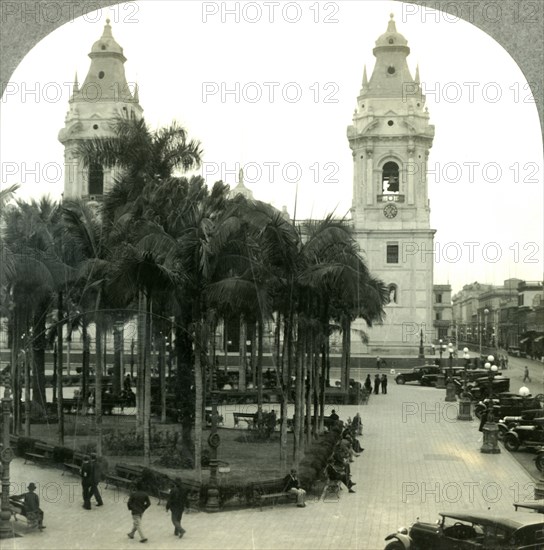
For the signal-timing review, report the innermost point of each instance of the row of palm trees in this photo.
(164, 246)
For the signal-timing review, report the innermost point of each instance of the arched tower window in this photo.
(393, 293)
(96, 179)
(390, 178)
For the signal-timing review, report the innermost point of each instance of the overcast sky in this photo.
(486, 181)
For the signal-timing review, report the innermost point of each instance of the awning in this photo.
(523, 340)
(538, 338)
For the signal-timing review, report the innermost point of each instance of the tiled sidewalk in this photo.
(418, 460)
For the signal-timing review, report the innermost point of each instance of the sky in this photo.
(294, 72)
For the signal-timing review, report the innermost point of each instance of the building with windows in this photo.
(390, 138)
(509, 316)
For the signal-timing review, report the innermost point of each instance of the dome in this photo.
(391, 37)
(106, 43)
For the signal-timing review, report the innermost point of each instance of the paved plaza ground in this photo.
(418, 460)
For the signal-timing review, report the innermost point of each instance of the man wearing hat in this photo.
(177, 500)
(31, 506)
(292, 485)
(96, 478)
(86, 481)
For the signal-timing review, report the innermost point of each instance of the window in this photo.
(393, 293)
(439, 298)
(392, 253)
(101, 75)
(390, 178)
(96, 179)
(438, 316)
(391, 69)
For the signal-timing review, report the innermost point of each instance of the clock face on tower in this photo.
(390, 211)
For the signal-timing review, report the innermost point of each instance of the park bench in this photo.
(126, 475)
(246, 417)
(16, 509)
(75, 465)
(270, 491)
(537, 507)
(41, 452)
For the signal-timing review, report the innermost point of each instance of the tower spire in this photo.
(416, 80)
(76, 85)
(365, 78)
(391, 27)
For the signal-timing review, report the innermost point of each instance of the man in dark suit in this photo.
(86, 481)
(31, 507)
(177, 500)
(292, 485)
(96, 478)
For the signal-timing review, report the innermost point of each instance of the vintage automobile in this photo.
(512, 404)
(526, 418)
(525, 436)
(457, 531)
(539, 459)
(417, 374)
(479, 389)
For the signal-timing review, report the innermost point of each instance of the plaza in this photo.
(418, 461)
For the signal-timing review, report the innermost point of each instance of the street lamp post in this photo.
(440, 379)
(490, 430)
(465, 402)
(212, 502)
(450, 386)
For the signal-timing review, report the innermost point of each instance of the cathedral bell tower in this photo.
(390, 139)
(93, 107)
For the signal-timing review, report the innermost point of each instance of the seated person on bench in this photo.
(338, 473)
(292, 485)
(31, 506)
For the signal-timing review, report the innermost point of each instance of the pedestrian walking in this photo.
(96, 478)
(138, 503)
(384, 383)
(378, 364)
(377, 384)
(86, 481)
(526, 377)
(177, 500)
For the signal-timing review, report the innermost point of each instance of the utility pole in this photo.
(60, 346)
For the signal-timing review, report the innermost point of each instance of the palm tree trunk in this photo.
(298, 427)
(198, 341)
(253, 354)
(259, 377)
(98, 375)
(147, 381)
(162, 374)
(309, 388)
(84, 366)
(29, 359)
(60, 410)
(243, 354)
(140, 366)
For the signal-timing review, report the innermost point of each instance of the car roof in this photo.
(520, 519)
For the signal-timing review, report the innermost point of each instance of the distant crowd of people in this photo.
(379, 381)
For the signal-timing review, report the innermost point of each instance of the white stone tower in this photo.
(390, 139)
(93, 107)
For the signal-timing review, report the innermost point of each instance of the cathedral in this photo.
(390, 138)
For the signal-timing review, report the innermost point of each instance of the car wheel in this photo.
(400, 380)
(511, 442)
(501, 433)
(395, 545)
(540, 462)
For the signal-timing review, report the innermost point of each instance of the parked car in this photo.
(457, 531)
(539, 459)
(525, 419)
(417, 373)
(525, 436)
(512, 404)
(479, 389)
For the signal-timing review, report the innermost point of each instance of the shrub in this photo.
(25, 445)
(63, 454)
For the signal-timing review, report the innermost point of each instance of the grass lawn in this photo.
(249, 459)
